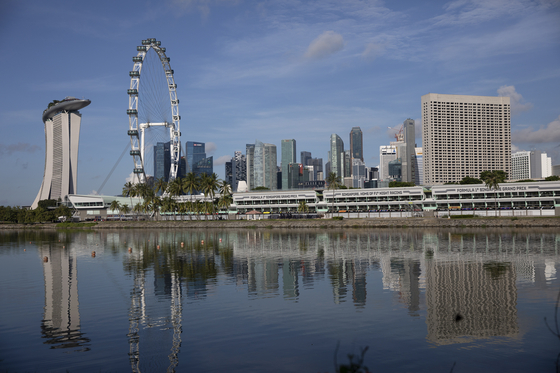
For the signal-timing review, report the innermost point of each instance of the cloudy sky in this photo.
(268, 70)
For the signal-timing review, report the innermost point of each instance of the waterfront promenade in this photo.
(481, 222)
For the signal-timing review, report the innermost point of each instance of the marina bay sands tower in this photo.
(62, 135)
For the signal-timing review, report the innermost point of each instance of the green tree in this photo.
(115, 206)
(209, 185)
(129, 191)
(333, 182)
(190, 184)
(261, 188)
(467, 180)
(160, 185)
(400, 184)
(492, 179)
(125, 209)
(302, 207)
(552, 178)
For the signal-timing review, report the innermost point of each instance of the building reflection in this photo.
(464, 284)
(60, 326)
(470, 300)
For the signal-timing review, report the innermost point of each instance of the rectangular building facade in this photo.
(464, 135)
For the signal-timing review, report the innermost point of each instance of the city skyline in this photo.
(271, 71)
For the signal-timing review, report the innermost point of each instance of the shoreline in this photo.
(493, 222)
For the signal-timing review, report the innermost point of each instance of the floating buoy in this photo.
(24, 250)
(182, 244)
(202, 242)
(64, 247)
(158, 247)
(93, 254)
(45, 259)
(220, 240)
(130, 249)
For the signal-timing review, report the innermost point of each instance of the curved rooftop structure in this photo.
(68, 104)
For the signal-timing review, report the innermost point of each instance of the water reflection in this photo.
(464, 284)
(61, 321)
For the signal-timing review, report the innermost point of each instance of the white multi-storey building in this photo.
(530, 165)
(62, 135)
(464, 135)
(387, 153)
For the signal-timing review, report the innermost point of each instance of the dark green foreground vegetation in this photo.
(46, 212)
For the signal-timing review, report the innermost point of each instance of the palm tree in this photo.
(129, 191)
(182, 208)
(167, 204)
(303, 207)
(115, 206)
(190, 183)
(160, 185)
(492, 179)
(225, 194)
(125, 209)
(209, 184)
(333, 182)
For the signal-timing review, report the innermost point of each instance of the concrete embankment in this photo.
(532, 222)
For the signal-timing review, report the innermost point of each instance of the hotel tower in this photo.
(62, 135)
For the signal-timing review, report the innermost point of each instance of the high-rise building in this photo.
(162, 160)
(359, 173)
(250, 157)
(288, 156)
(62, 135)
(265, 168)
(387, 153)
(356, 144)
(236, 170)
(305, 158)
(530, 165)
(336, 156)
(195, 153)
(464, 135)
(407, 158)
(204, 166)
(418, 167)
(271, 167)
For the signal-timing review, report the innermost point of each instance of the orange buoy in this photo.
(202, 242)
(220, 240)
(130, 249)
(158, 247)
(45, 259)
(93, 254)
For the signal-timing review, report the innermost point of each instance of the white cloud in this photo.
(550, 133)
(373, 50)
(329, 42)
(220, 161)
(517, 102)
(210, 148)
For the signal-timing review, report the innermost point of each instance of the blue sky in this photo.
(268, 70)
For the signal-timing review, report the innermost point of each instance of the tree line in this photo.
(190, 184)
(46, 211)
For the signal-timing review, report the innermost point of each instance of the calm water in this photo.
(255, 301)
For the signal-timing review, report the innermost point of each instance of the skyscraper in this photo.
(356, 144)
(265, 167)
(336, 156)
(407, 158)
(250, 157)
(62, 135)
(305, 157)
(288, 156)
(386, 155)
(464, 135)
(236, 170)
(162, 161)
(195, 153)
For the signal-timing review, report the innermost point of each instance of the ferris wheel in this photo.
(153, 110)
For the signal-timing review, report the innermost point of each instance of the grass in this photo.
(75, 225)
